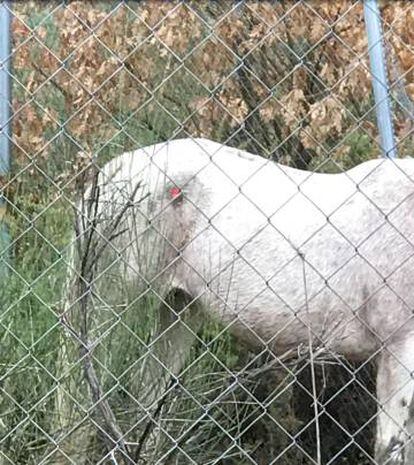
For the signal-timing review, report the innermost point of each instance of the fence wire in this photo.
(189, 302)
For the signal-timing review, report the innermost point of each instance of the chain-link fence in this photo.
(189, 302)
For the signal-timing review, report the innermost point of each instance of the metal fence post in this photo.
(5, 106)
(379, 77)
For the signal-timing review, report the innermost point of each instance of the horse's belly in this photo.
(285, 310)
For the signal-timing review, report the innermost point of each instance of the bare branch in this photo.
(91, 244)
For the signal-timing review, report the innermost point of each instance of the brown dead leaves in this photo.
(88, 65)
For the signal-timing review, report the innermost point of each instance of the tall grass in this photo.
(30, 301)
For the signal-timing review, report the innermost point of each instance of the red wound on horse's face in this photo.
(175, 192)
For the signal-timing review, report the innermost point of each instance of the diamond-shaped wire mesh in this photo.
(190, 302)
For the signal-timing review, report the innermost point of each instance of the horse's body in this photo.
(283, 257)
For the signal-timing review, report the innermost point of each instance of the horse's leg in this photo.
(178, 321)
(71, 427)
(395, 389)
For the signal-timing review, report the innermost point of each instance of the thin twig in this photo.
(150, 425)
(90, 247)
(312, 366)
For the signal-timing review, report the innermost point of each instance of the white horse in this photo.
(282, 257)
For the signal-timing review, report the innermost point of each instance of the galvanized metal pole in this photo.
(379, 77)
(5, 94)
(5, 112)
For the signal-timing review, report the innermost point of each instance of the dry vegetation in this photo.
(287, 79)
